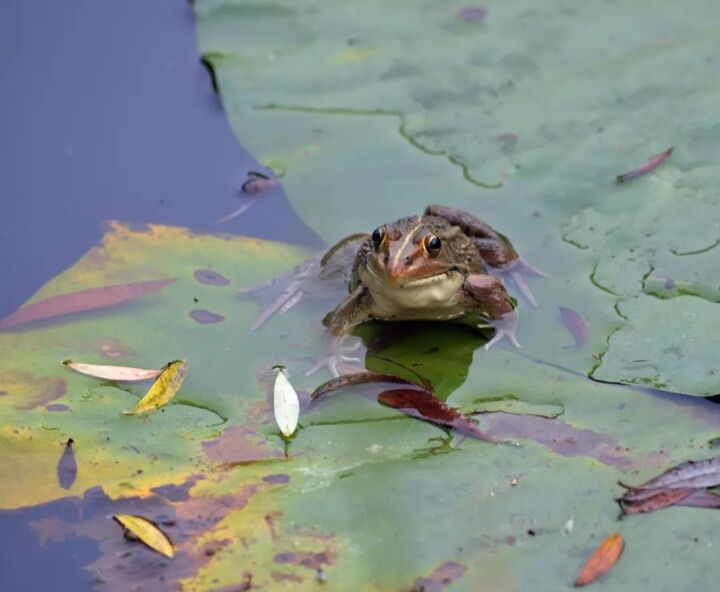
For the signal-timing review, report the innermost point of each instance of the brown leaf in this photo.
(82, 301)
(67, 466)
(357, 378)
(601, 560)
(701, 498)
(694, 474)
(424, 405)
(656, 500)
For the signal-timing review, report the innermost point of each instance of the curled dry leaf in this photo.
(286, 405)
(67, 466)
(657, 499)
(602, 560)
(357, 378)
(163, 389)
(116, 373)
(691, 473)
(148, 533)
(82, 301)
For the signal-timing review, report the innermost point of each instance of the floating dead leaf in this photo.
(657, 499)
(163, 389)
(286, 405)
(424, 405)
(148, 533)
(357, 378)
(691, 473)
(67, 466)
(575, 324)
(83, 301)
(646, 167)
(601, 560)
(116, 373)
(701, 498)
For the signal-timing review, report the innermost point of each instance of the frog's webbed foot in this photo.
(336, 354)
(281, 293)
(516, 274)
(505, 328)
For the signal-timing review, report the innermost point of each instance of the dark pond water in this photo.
(106, 114)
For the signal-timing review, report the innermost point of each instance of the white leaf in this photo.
(286, 405)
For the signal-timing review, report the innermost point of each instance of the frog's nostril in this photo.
(408, 260)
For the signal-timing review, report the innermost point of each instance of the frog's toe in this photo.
(331, 360)
(505, 328)
(517, 278)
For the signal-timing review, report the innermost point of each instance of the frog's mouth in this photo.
(382, 278)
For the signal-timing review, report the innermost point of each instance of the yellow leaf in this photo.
(148, 533)
(119, 373)
(163, 389)
(601, 560)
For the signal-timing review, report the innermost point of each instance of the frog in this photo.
(445, 265)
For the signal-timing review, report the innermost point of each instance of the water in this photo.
(106, 114)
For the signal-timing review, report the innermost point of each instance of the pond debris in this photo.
(569, 526)
(286, 405)
(576, 326)
(602, 560)
(82, 301)
(686, 484)
(258, 183)
(67, 466)
(165, 387)
(115, 373)
(423, 405)
(235, 213)
(443, 576)
(147, 532)
(645, 168)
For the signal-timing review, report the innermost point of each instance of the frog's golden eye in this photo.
(432, 245)
(378, 236)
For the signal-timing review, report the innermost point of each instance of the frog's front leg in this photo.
(495, 248)
(488, 295)
(352, 311)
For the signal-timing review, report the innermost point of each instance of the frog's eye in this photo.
(378, 236)
(432, 245)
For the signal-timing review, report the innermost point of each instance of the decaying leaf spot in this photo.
(83, 301)
(148, 533)
(67, 466)
(30, 392)
(57, 408)
(210, 277)
(163, 389)
(601, 560)
(205, 317)
(306, 559)
(279, 478)
(441, 577)
(240, 444)
(115, 373)
(471, 14)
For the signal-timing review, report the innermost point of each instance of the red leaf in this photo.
(601, 560)
(423, 405)
(82, 301)
(645, 168)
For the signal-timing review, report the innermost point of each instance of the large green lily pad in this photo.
(372, 498)
(524, 117)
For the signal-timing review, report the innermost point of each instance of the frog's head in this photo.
(409, 252)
